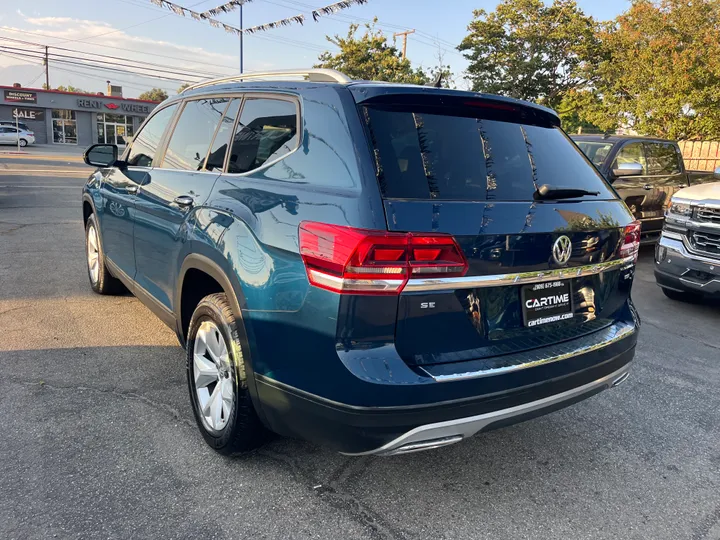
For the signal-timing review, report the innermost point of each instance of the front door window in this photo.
(64, 126)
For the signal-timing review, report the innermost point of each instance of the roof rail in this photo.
(313, 75)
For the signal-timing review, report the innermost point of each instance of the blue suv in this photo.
(379, 268)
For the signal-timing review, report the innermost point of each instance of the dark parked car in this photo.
(644, 171)
(378, 268)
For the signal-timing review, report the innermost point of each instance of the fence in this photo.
(700, 155)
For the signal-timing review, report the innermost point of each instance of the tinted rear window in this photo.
(436, 156)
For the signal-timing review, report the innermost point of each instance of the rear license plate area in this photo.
(545, 303)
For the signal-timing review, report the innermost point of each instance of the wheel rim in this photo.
(93, 254)
(214, 378)
(23, 142)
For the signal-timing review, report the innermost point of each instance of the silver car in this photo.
(687, 258)
(11, 135)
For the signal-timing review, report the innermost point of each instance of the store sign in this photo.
(29, 114)
(125, 107)
(20, 97)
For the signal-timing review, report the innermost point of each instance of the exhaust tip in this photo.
(425, 445)
(621, 379)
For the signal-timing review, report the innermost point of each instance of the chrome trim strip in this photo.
(522, 360)
(684, 249)
(499, 280)
(462, 428)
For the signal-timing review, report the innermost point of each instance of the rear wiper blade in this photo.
(547, 191)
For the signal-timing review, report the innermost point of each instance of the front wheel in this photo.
(217, 379)
(100, 279)
(680, 296)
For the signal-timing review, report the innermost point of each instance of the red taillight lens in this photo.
(360, 261)
(631, 242)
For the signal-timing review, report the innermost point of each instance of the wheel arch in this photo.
(206, 265)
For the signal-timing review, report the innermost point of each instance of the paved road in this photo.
(97, 438)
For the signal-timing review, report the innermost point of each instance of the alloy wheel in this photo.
(213, 375)
(93, 254)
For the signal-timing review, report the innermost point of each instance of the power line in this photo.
(101, 63)
(126, 60)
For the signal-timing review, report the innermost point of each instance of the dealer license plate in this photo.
(548, 302)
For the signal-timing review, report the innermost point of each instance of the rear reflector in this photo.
(631, 241)
(361, 261)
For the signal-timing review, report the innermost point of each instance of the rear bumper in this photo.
(357, 430)
(678, 269)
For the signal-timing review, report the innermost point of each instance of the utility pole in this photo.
(47, 69)
(241, 40)
(404, 36)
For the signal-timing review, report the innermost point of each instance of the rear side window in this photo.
(662, 158)
(144, 146)
(267, 131)
(446, 157)
(193, 134)
(218, 150)
(595, 151)
(631, 153)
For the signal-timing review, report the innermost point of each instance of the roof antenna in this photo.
(437, 83)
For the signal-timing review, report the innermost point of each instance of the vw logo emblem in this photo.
(561, 250)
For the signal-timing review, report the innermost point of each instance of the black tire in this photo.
(244, 430)
(105, 283)
(23, 143)
(680, 296)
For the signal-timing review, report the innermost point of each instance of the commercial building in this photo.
(59, 117)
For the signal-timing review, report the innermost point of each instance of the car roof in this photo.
(366, 91)
(616, 138)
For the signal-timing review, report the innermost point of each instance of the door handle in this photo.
(132, 189)
(184, 201)
(647, 186)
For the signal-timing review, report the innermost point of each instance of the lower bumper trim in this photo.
(449, 432)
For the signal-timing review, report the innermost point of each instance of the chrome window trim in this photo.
(524, 278)
(608, 336)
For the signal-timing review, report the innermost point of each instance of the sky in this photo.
(140, 30)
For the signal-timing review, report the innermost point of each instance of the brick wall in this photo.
(700, 155)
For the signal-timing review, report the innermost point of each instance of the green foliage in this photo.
(659, 72)
(156, 94)
(371, 58)
(69, 88)
(583, 111)
(527, 50)
(182, 87)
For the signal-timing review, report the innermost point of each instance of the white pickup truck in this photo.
(687, 257)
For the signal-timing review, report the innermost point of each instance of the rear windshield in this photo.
(445, 157)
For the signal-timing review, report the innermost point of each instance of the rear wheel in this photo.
(100, 279)
(217, 379)
(23, 142)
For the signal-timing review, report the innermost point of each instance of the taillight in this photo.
(361, 261)
(31, 133)
(631, 242)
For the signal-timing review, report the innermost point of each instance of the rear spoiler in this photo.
(455, 102)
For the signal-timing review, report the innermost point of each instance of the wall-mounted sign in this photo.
(84, 103)
(17, 96)
(28, 114)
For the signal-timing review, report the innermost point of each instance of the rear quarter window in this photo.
(450, 157)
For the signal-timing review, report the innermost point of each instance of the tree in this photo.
(370, 57)
(68, 88)
(527, 50)
(660, 73)
(183, 86)
(156, 94)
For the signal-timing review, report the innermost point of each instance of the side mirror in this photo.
(716, 173)
(101, 155)
(628, 169)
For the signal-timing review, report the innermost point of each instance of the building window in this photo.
(64, 126)
(114, 128)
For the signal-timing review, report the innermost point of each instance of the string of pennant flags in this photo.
(208, 16)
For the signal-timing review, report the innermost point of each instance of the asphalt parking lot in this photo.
(97, 439)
